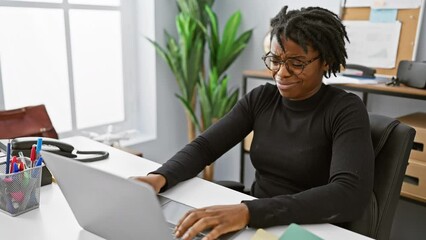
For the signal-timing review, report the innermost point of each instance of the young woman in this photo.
(312, 146)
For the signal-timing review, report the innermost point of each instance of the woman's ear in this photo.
(325, 67)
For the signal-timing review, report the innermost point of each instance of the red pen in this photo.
(12, 165)
(21, 166)
(33, 155)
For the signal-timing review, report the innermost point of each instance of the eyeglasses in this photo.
(294, 66)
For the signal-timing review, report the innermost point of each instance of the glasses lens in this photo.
(272, 63)
(295, 66)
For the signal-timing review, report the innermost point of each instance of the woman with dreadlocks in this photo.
(312, 149)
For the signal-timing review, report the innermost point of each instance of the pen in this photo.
(39, 161)
(38, 149)
(15, 167)
(35, 172)
(8, 158)
(23, 160)
(33, 155)
(12, 164)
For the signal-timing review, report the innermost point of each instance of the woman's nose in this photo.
(283, 71)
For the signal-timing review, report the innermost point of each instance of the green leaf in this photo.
(162, 52)
(189, 110)
(229, 35)
(243, 38)
(205, 105)
(226, 62)
(213, 80)
(195, 63)
(214, 38)
(224, 85)
(232, 100)
(195, 8)
(238, 46)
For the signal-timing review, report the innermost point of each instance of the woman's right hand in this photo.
(157, 181)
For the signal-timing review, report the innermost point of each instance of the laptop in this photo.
(114, 207)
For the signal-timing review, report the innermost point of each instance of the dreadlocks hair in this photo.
(317, 27)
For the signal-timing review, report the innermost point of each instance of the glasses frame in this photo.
(285, 63)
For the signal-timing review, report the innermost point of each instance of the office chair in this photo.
(392, 143)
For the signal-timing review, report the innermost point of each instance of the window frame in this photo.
(129, 62)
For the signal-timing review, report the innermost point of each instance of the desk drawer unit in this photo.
(414, 185)
(418, 122)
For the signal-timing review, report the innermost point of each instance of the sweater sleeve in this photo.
(350, 181)
(210, 145)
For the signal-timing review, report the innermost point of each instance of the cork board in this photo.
(409, 19)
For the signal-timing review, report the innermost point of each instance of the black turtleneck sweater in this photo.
(314, 158)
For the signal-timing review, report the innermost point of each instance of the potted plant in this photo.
(185, 55)
(197, 26)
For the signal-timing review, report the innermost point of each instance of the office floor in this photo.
(409, 222)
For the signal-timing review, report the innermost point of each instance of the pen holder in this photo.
(19, 192)
(46, 176)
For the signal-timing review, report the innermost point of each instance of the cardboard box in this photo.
(418, 122)
(414, 185)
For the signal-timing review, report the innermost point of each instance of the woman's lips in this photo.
(286, 85)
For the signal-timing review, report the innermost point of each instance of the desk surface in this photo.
(400, 91)
(54, 219)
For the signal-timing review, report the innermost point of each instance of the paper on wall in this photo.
(373, 44)
(399, 4)
(383, 15)
(358, 3)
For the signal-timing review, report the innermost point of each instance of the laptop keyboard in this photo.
(199, 236)
(173, 211)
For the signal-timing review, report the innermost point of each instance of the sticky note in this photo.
(263, 235)
(295, 231)
(383, 15)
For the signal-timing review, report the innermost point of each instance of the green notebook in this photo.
(295, 232)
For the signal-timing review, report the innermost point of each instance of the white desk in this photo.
(54, 219)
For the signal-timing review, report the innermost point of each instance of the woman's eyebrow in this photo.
(292, 57)
(298, 56)
(274, 55)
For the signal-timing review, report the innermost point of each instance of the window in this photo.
(69, 56)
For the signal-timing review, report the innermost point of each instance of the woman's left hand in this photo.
(220, 219)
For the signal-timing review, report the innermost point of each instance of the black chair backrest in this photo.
(392, 143)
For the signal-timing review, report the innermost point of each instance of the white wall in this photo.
(421, 50)
(171, 127)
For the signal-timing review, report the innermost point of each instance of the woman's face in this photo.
(296, 85)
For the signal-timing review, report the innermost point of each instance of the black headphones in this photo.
(101, 155)
(24, 145)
